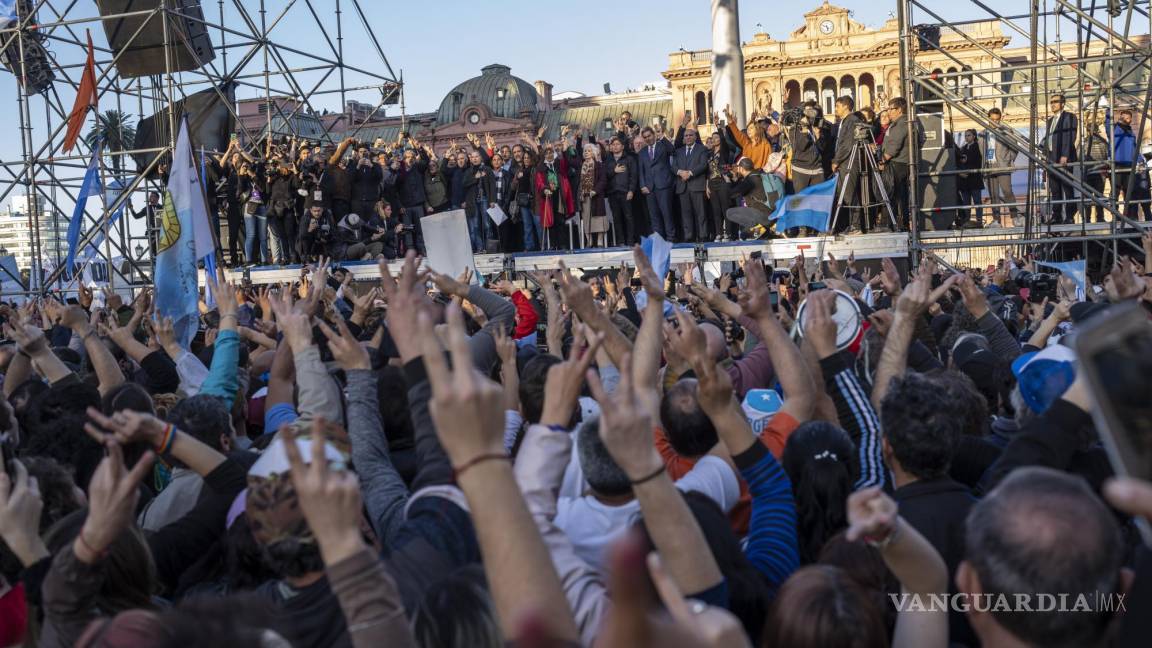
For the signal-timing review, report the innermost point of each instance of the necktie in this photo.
(689, 151)
(652, 152)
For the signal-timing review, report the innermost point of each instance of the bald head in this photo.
(1041, 532)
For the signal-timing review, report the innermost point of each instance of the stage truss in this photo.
(1088, 50)
(270, 50)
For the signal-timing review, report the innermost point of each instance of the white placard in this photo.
(446, 240)
(497, 215)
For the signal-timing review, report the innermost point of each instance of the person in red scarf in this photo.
(554, 200)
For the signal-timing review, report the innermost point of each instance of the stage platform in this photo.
(971, 247)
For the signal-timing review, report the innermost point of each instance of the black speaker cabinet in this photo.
(189, 45)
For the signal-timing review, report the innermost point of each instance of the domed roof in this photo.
(518, 94)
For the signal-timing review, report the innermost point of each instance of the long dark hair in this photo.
(130, 575)
(819, 459)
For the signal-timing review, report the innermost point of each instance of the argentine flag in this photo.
(659, 253)
(1076, 270)
(185, 237)
(811, 207)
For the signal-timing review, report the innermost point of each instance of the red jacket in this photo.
(543, 205)
(526, 317)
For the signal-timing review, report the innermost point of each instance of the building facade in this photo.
(832, 55)
(16, 233)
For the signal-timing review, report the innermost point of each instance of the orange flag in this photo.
(86, 98)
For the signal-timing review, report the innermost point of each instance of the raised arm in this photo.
(107, 370)
(331, 503)
(856, 415)
(872, 517)
(626, 429)
(786, 357)
(31, 340)
(385, 494)
(578, 296)
(650, 338)
(469, 419)
(772, 545)
(910, 306)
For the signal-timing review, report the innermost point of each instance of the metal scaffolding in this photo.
(1095, 52)
(274, 50)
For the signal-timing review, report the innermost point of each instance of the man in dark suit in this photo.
(656, 181)
(691, 181)
(850, 170)
(1060, 142)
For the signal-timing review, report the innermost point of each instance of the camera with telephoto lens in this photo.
(1040, 285)
(812, 117)
(791, 117)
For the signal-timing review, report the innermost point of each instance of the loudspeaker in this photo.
(937, 192)
(210, 124)
(927, 37)
(34, 71)
(189, 45)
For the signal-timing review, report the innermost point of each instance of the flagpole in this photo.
(104, 221)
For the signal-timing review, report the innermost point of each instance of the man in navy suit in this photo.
(1060, 142)
(691, 163)
(656, 181)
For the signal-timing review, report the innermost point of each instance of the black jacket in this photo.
(474, 187)
(937, 508)
(410, 182)
(845, 130)
(621, 176)
(365, 182)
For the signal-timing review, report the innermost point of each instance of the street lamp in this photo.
(139, 251)
(3, 251)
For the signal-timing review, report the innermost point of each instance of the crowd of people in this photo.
(357, 200)
(611, 458)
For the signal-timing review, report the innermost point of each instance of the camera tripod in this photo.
(862, 160)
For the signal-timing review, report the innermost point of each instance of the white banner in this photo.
(446, 240)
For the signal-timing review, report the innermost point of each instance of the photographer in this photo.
(335, 182)
(895, 156)
(807, 136)
(848, 124)
(282, 186)
(316, 232)
(365, 177)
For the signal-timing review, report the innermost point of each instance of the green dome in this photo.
(518, 95)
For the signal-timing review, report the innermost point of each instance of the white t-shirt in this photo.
(593, 526)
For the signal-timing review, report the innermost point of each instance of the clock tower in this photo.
(827, 26)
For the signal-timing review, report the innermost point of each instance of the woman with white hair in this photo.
(595, 217)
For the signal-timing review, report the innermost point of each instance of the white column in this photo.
(727, 59)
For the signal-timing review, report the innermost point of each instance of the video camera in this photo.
(1040, 285)
(863, 133)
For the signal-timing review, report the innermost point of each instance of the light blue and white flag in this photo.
(89, 187)
(659, 253)
(1075, 270)
(811, 207)
(184, 239)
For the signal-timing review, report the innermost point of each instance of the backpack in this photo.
(773, 189)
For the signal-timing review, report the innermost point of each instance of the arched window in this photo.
(828, 94)
(953, 81)
(866, 91)
(792, 95)
(848, 87)
(811, 90)
(701, 107)
(966, 83)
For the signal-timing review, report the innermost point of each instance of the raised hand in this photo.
(819, 327)
(124, 427)
(29, 338)
(466, 406)
(112, 495)
(346, 349)
(714, 388)
(329, 499)
(652, 284)
(20, 508)
(871, 514)
(756, 297)
(577, 294)
(565, 380)
(295, 324)
(626, 425)
(974, 298)
(405, 297)
(889, 277)
(449, 286)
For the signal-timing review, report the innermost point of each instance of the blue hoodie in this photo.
(1124, 142)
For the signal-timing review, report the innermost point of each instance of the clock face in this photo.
(826, 27)
(474, 118)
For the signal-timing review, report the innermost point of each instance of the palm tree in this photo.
(118, 134)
